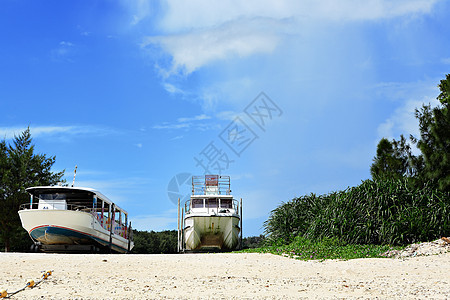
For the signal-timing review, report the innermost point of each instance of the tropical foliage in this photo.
(406, 201)
(379, 211)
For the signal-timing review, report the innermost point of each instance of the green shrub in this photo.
(379, 211)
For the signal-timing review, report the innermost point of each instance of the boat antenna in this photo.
(74, 175)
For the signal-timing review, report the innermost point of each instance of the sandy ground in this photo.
(224, 276)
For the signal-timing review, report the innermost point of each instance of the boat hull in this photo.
(67, 227)
(212, 232)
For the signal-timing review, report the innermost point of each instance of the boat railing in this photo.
(211, 185)
(28, 206)
(55, 207)
(187, 207)
(235, 205)
(118, 229)
(209, 207)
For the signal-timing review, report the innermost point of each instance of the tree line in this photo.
(151, 242)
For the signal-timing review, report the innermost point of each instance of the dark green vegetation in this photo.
(152, 242)
(20, 168)
(378, 211)
(406, 201)
(253, 242)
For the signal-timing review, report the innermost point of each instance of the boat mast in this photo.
(178, 227)
(240, 207)
(74, 175)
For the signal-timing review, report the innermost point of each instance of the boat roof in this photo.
(32, 189)
(211, 196)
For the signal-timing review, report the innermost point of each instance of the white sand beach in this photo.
(224, 276)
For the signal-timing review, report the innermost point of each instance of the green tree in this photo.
(3, 175)
(434, 142)
(168, 241)
(151, 242)
(20, 168)
(395, 160)
(253, 241)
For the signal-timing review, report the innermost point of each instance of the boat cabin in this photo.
(83, 200)
(211, 194)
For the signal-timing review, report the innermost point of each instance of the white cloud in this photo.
(385, 129)
(410, 95)
(196, 118)
(10, 132)
(228, 115)
(200, 32)
(63, 131)
(204, 13)
(167, 125)
(139, 9)
(64, 52)
(178, 137)
(190, 51)
(66, 44)
(403, 120)
(171, 88)
(188, 123)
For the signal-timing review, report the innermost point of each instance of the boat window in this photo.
(226, 203)
(56, 196)
(197, 203)
(74, 198)
(211, 203)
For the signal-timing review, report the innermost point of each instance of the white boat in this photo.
(212, 220)
(59, 218)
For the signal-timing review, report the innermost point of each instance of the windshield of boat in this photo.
(73, 197)
(197, 203)
(226, 203)
(56, 196)
(211, 203)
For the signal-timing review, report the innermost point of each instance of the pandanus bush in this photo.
(378, 211)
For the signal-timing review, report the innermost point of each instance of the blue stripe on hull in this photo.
(51, 235)
(54, 235)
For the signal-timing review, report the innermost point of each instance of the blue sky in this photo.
(286, 97)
